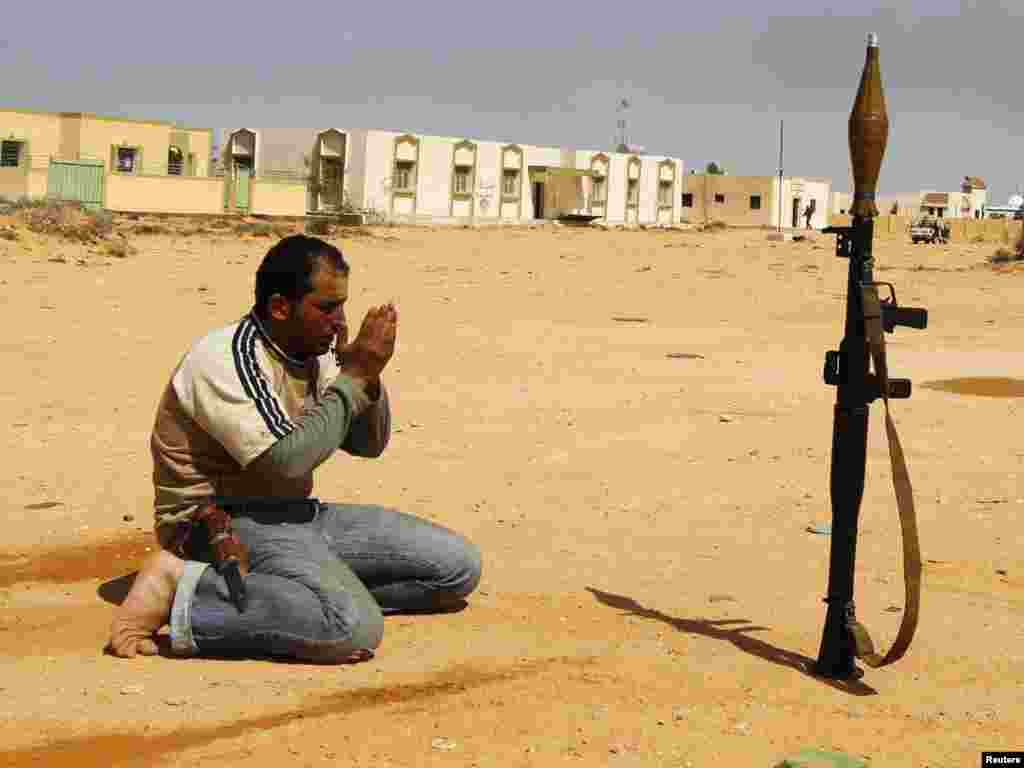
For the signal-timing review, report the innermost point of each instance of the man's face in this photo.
(320, 315)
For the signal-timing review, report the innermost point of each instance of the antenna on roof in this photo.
(620, 109)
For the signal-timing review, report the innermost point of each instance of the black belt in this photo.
(269, 509)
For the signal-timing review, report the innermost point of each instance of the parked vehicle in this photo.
(929, 230)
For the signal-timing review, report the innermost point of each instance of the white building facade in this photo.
(419, 178)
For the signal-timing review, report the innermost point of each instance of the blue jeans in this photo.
(318, 590)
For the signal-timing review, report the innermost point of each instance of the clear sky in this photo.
(706, 80)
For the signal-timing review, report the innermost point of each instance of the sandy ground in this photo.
(651, 595)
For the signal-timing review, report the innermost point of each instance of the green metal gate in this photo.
(242, 190)
(80, 180)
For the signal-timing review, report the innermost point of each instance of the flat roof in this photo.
(105, 118)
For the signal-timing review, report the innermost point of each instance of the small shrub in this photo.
(256, 229)
(120, 249)
(8, 234)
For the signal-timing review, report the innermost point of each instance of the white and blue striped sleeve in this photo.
(223, 388)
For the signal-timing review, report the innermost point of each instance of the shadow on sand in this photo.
(722, 629)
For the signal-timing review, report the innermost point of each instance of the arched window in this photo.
(511, 181)
(633, 167)
(463, 180)
(404, 174)
(666, 184)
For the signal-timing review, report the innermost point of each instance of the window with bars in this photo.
(175, 161)
(687, 199)
(463, 174)
(599, 190)
(510, 183)
(10, 153)
(755, 202)
(405, 175)
(665, 194)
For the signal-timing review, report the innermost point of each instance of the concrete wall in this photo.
(99, 134)
(164, 194)
(276, 198)
(13, 183)
(38, 180)
(30, 180)
(433, 180)
(736, 209)
(355, 168)
(40, 130)
(201, 141)
(960, 230)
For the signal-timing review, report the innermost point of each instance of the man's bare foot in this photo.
(147, 606)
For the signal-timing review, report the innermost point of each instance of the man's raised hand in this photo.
(370, 351)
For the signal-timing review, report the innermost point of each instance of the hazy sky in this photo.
(707, 80)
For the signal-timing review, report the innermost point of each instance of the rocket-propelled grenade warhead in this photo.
(868, 132)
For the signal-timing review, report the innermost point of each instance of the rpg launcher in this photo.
(868, 319)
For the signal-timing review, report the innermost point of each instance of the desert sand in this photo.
(634, 428)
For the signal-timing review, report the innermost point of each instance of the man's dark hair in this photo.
(288, 268)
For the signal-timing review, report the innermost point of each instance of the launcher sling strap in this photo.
(865, 649)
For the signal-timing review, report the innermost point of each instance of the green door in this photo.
(80, 180)
(242, 181)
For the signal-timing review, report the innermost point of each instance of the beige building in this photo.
(117, 163)
(970, 202)
(967, 203)
(756, 201)
(888, 205)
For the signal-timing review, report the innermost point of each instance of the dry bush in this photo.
(1005, 255)
(8, 234)
(151, 229)
(23, 202)
(67, 219)
(354, 232)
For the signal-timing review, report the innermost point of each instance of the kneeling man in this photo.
(249, 562)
